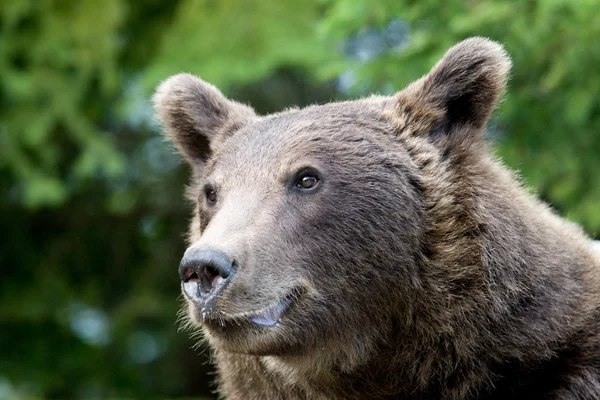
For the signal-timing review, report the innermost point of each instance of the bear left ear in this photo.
(197, 117)
(461, 90)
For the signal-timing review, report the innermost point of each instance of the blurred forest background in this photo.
(91, 202)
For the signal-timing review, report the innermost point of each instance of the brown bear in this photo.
(375, 249)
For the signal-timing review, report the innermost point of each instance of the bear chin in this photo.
(260, 332)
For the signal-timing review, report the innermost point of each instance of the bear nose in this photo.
(209, 269)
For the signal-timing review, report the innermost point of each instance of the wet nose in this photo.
(209, 268)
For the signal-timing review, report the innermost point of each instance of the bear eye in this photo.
(307, 179)
(211, 195)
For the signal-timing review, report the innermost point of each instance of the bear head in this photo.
(315, 229)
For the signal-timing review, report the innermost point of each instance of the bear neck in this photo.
(502, 279)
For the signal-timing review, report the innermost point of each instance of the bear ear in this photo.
(196, 116)
(461, 90)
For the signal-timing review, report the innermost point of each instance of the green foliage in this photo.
(239, 41)
(90, 196)
(54, 62)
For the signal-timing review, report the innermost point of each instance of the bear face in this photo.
(373, 247)
(299, 245)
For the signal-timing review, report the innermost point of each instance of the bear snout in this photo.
(205, 272)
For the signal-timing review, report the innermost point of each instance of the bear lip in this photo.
(267, 317)
(271, 316)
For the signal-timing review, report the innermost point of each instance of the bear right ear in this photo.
(461, 90)
(196, 116)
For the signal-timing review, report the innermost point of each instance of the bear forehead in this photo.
(319, 120)
(314, 132)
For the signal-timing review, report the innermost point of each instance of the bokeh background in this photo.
(91, 204)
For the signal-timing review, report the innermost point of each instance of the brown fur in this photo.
(418, 269)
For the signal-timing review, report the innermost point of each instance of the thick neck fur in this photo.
(502, 282)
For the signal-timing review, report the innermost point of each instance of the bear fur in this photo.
(417, 267)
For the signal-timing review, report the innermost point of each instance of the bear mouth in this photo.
(270, 316)
(267, 317)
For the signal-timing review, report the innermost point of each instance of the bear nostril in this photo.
(189, 275)
(211, 273)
